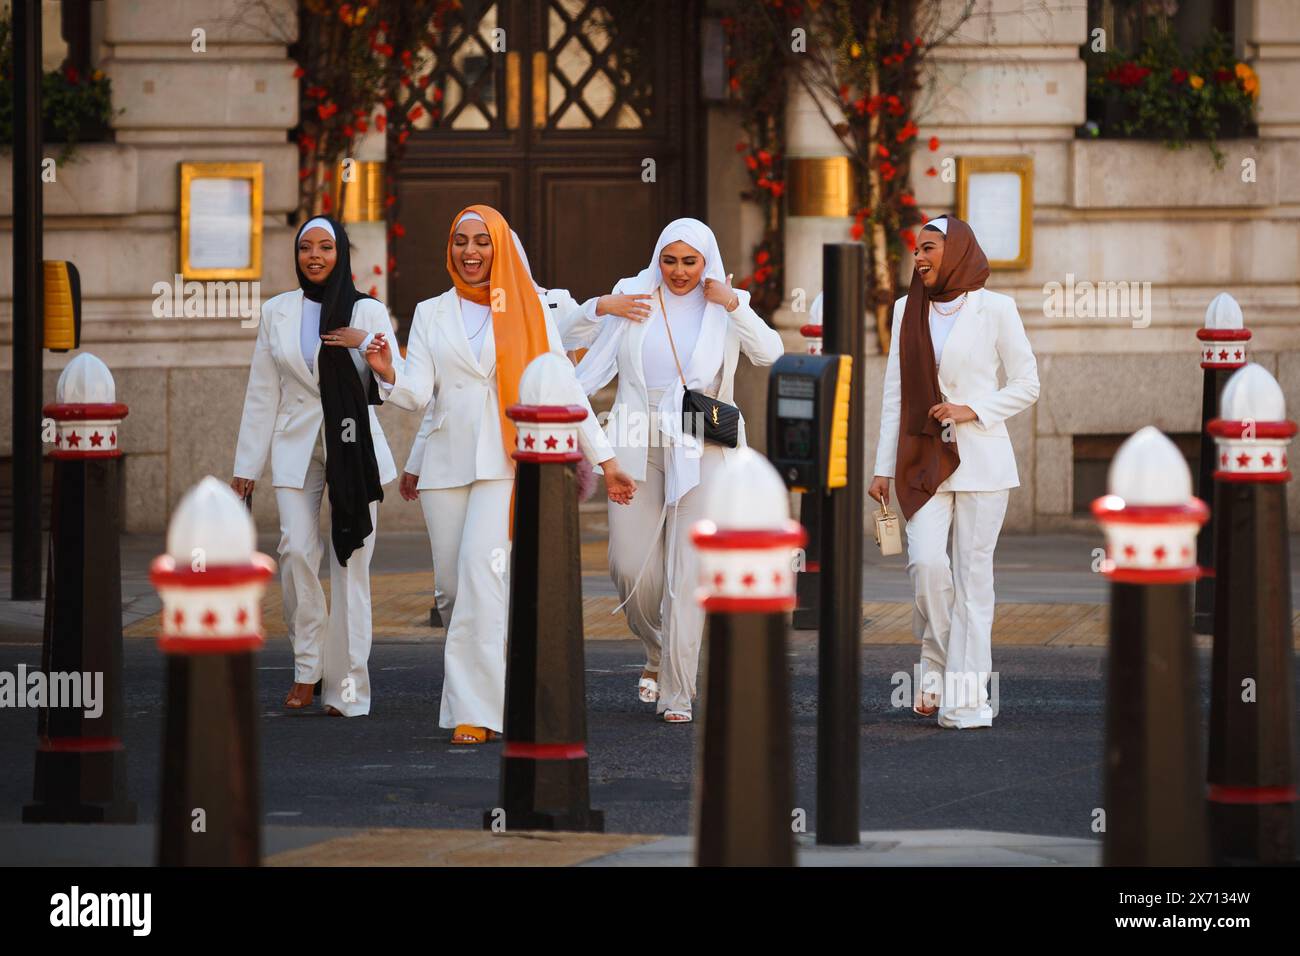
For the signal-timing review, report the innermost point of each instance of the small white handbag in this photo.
(888, 535)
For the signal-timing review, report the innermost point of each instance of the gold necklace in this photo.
(935, 306)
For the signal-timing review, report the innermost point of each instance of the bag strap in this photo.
(669, 327)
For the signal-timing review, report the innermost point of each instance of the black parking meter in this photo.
(808, 420)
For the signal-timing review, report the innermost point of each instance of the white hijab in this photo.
(683, 452)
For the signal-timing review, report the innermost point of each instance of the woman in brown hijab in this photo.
(944, 441)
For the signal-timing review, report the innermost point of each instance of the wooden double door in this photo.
(579, 120)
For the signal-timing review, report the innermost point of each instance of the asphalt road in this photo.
(1037, 771)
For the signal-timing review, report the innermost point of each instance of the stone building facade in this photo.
(1011, 81)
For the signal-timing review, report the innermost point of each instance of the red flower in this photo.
(362, 126)
(761, 275)
(856, 230)
(389, 200)
(887, 170)
(380, 122)
(777, 190)
(761, 256)
(765, 157)
(406, 57)
(403, 136)
(388, 102)
(907, 199)
(399, 230)
(348, 132)
(1223, 76)
(327, 202)
(392, 263)
(437, 94)
(932, 171)
(909, 238)
(741, 147)
(917, 42)
(895, 108)
(423, 81)
(751, 162)
(374, 291)
(862, 213)
(934, 143)
(304, 172)
(764, 182)
(1178, 75)
(1128, 74)
(907, 132)
(882, 151)
(299, 73)
(844, 92)
(404, 80)
(416, 112)
(378, 271)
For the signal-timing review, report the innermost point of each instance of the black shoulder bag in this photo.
(707, 418)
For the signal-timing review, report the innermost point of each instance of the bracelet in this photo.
(736, 299)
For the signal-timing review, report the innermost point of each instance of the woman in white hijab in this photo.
(697, 328)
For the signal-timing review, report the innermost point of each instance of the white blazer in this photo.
(282, 410)
(462, 442)
(617, 349)
(577, 325)
(986, 335)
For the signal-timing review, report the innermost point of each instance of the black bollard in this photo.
(808, 584)
(1251, 774)
(839, 638)
(1154, 808)
(211, 583)
(744, 793)
(1223, 344)
(544, 772)
(81, 760)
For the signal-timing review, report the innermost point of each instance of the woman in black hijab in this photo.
(308, 407)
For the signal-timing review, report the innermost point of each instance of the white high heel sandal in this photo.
(647, 690)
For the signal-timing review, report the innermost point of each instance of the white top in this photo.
(475, 318)
(941, 325)
(309, 334)
(686, 313)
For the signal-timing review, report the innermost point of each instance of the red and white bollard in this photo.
(745, 779)
(544, 764)
(1252, 785)
(1222, 343)
(211, 581)
(807, 611)
(1154, 803)
(812, 330)
(80, 757)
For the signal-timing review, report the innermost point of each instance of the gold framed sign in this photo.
(221, 220)
(995, 194)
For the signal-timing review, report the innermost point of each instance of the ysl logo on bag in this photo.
(715, 414)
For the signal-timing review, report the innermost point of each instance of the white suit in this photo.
(651, 560)
(465, 483)
(283, 420)
(953, 618)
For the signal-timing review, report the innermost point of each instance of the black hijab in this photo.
(351, 472)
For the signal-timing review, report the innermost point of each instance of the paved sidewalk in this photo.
(80, 845)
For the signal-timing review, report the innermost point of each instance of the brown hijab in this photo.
(924, 459)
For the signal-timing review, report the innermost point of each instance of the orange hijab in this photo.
(518, 322)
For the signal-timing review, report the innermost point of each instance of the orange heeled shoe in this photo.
(469, 734)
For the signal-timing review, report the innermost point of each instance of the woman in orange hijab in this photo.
(467, 351)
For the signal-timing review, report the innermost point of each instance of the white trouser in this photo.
(337, 653)
(469, 534)
(663, 611)
(953, 617)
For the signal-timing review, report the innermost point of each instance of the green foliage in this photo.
(74, 107)
(1163, 92)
